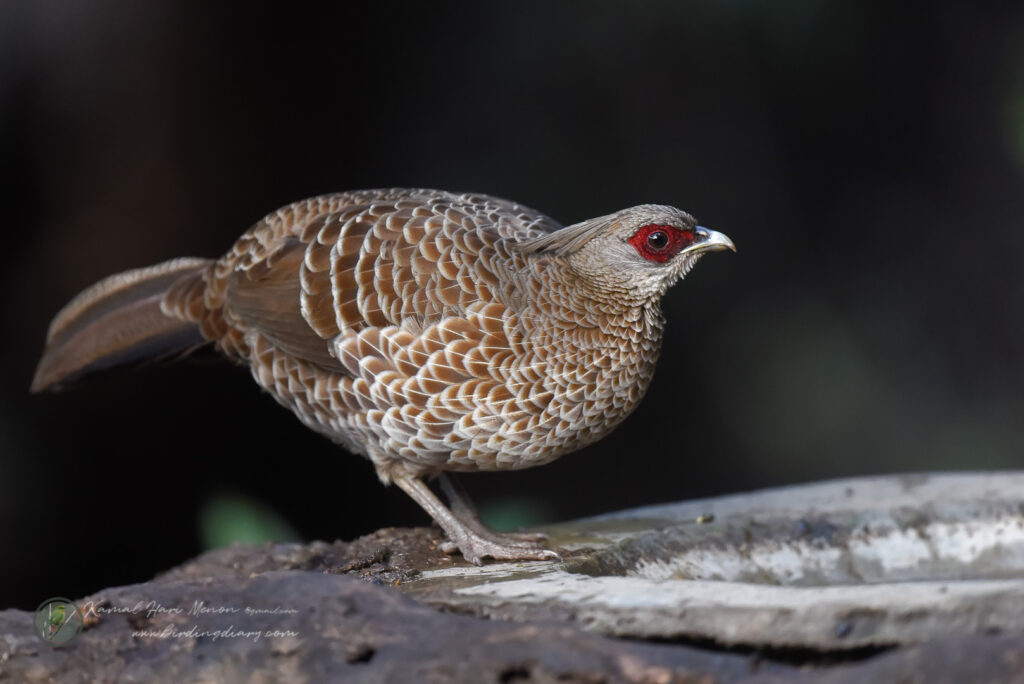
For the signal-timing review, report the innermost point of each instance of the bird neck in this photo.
(585, 313)
(593, 326)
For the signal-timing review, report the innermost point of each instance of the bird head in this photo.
(636, 253)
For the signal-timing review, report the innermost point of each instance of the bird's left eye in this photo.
(658, 240)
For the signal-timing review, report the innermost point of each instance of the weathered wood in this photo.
(794, 584)
(867, 562)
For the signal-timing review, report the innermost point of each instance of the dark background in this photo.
(867, 158)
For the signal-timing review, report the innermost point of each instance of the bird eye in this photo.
(658, 240)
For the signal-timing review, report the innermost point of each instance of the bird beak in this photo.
(709, 241)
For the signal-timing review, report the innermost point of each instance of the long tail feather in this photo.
(116, 321)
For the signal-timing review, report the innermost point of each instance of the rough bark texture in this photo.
(343, 629)
(345, 611)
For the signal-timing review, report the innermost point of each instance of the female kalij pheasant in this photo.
(426, 330)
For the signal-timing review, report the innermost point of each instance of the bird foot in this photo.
(469, 535)
(525, 539)
(521, 540)
(476, 549)
(507, 546)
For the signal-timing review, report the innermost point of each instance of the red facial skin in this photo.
(650, 244)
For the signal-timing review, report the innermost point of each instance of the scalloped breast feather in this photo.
(426, 330)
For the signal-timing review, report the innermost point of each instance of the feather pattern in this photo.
(427, 330)
(411, 326)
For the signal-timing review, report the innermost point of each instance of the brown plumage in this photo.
(426, 330)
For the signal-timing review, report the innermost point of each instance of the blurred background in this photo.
(867, 158)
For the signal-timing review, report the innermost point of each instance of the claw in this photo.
(475, 549)
(469, 535)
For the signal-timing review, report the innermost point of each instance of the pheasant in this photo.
(428, 331)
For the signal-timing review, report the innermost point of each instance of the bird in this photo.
(431, 332)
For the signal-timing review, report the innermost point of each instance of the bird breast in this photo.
(410, 329)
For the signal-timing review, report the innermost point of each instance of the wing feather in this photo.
(321, 271)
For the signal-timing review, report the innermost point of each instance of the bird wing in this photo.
(339, 264)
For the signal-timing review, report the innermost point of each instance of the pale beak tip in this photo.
(713, 240)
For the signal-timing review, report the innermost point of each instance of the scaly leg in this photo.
(462, 507)
(474, 546)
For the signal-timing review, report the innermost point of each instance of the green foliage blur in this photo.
(233, 518)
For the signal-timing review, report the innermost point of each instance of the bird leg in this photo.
(462, 507)
(474, 546)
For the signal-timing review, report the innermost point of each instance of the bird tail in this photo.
(121, 319)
